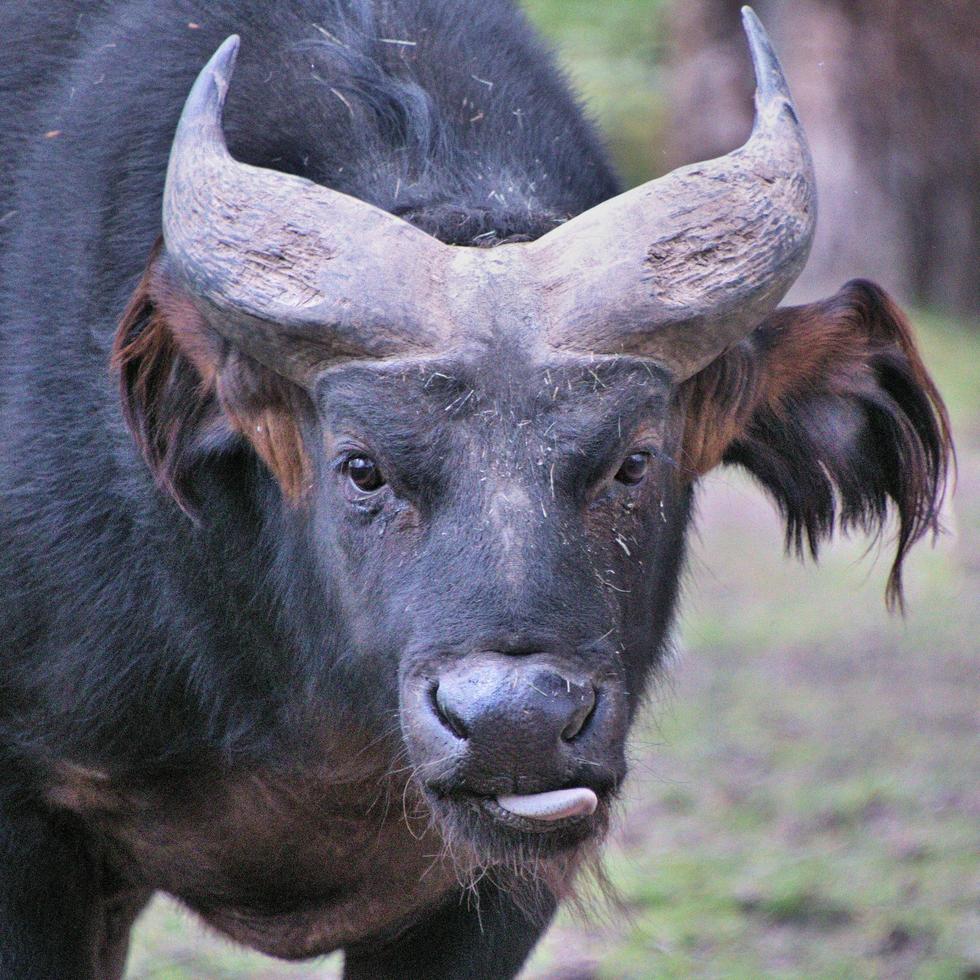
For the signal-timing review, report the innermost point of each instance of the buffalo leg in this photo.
(54, 924)
(457, 943)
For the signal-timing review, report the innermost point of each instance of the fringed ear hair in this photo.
(830, 407)
(186, 393)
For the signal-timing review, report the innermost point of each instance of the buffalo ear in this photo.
(830, 407)
(187, 395)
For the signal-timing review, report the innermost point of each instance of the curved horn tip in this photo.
(222, 64)
(211, 87)
(769, 79)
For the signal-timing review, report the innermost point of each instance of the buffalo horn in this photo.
(682, 267)
(677, 270)
(292, 272)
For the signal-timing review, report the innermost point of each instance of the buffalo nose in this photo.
(535, 705)
(516, 726)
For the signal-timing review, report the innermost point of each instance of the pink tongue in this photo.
(556, 805)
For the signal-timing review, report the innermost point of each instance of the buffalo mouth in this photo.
(550, 807)
(491, 825)
(524, 813)
(516, 749)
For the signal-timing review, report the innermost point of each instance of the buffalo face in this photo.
(504, 527)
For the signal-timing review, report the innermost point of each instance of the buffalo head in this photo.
(494, 476)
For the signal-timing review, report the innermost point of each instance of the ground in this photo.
(804, 801)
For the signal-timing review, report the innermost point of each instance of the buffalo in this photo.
(350, 421)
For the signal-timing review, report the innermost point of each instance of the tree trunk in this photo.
(889, 94)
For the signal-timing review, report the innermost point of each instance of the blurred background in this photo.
(804, 800)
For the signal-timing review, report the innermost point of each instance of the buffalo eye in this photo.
(634, 468)
(364, 473)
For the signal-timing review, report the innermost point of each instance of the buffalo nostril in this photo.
(581, 712)
(445, 713)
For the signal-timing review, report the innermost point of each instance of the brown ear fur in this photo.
(184, 391)
(830, 407)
